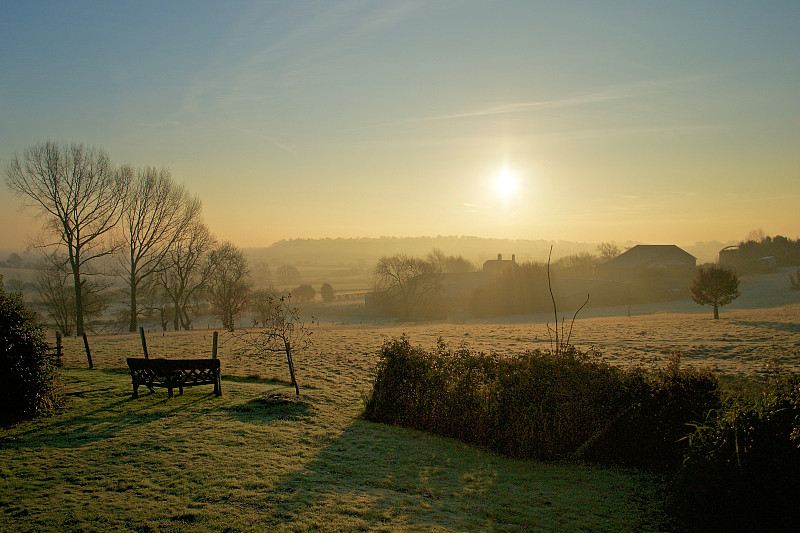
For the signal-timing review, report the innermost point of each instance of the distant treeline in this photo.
(749, 254)
(368, 250)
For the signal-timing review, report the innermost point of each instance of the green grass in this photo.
(261, 459)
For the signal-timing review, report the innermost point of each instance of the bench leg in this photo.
(217, 387)
(135, 390)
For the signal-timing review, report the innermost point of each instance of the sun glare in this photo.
(505, 183)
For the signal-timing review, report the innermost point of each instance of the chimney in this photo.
(499, 257)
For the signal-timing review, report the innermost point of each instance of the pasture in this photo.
(259, 458)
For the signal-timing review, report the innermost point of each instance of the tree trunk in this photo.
(288, 348)
(716, 312)
(176, 318)
(133, 324)
(76, 277)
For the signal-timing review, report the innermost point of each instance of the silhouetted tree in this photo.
(80, 195)
(282, 330)
(304, 293)
(449, 263)
(228, 283)
(55, 289)
(326, 292)
(406, 279)
(580, 265)
(14, 260)
(186, 269)
(715, 286)
(756, 235)
(608, 251)
(262, 303)
(155, 215)
(287, 274)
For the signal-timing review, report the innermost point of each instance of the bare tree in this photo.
(58, 297)
(155, 216)
(186, 270)
(449, 263)
(408, 279)
(262, 303)
(608, 251)
(756, 235)
(80, 196)
(56, 292)
(280, 330)
(228, 283)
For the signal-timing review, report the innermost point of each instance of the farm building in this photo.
(653, 271)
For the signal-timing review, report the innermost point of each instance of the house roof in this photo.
(643, 255)
(499, 265)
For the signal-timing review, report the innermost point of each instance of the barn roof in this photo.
(647, 254)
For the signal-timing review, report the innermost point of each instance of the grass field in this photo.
(261, 459)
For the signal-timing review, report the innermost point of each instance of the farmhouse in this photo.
(497, 267)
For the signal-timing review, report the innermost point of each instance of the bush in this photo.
(28, 380)
(661, 408)
(541, 405)
(742, 468)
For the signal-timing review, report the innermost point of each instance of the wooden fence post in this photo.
(88, 352)
(214, 347)
(59, 349)
(144, 342)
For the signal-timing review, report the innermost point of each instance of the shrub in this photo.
(28, 380)
(742, 468)
(540, 404)
(661, 408)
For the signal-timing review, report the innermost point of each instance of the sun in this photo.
(505, 183)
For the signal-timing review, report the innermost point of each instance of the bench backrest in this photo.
(160, 365)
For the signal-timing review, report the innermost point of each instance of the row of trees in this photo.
(141, 222)
(412, 287)
(409, 285)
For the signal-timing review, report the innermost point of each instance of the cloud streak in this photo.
(609, 94)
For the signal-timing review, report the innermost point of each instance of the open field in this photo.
(260, 459)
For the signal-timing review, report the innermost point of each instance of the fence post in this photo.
(144, 342)
(88, 352)
(59, 349)
(214, 347)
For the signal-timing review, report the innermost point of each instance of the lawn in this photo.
(261, 459)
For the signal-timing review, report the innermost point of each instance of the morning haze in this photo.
(368, 265)
(658, 124)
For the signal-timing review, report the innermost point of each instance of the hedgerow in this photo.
(540, 404)
(742, 467)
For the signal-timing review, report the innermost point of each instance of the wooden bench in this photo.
(174, 373)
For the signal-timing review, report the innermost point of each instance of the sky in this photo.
(657, 122)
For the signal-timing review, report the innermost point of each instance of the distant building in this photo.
(652, 271)
(749, 259)
(497, 267)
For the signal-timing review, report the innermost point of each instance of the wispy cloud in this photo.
(476, 206)
(163, 124)
(271, 140)
(608, 94)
